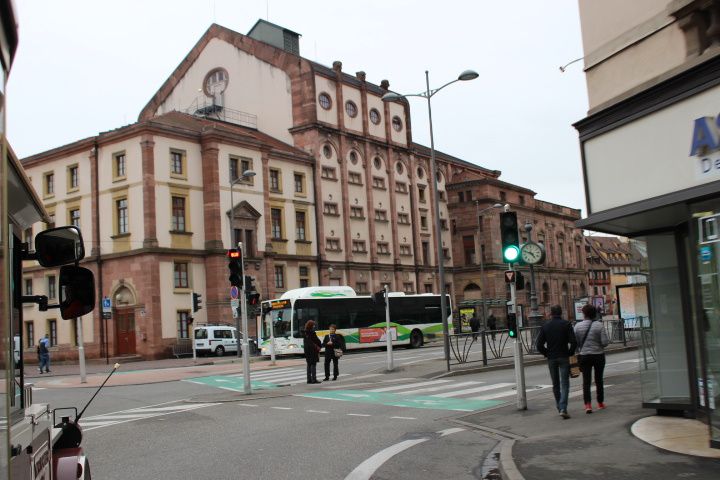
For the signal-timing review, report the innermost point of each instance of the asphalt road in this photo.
(366, 425)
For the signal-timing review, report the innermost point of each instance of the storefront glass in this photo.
(707, 228)
(663, 355)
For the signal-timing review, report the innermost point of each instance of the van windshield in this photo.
(201, 334)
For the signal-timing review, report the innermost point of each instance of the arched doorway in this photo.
(472, 292)
(124, 315)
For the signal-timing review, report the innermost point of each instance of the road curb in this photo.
(508, 469)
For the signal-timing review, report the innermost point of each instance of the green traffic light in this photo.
(511, 253)
(511, 333)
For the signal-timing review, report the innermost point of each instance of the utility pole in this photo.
(388, 332)
(243, 305)
(518, 349)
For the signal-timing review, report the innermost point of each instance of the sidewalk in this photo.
(538, 444)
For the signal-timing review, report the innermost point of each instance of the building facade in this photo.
(650, 161)
(341, 196)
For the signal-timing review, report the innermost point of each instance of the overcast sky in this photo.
(83, 67)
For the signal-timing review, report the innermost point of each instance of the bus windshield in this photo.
(280, 320)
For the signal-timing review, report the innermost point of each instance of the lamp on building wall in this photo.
(428, 94)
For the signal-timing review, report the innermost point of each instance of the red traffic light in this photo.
(233, 253)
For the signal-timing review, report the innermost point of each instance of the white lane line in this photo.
(414, 361)
(369, 375)
(317, 411)
(100, 420)
(282, 408)
(404, 418)
(358, 415)
(246, 404)
(632, 360)
(450, 431)
(473, 390)
(349, 385)
(365, 470)
(441, 387)
(409, 385)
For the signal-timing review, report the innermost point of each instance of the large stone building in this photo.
(341, 195)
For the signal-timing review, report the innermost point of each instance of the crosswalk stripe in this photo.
(274, 373)
(441, 387)
(280, 379)
(409, 385)
(467, 391)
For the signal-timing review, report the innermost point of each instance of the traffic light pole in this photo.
(518, 351)
(388, 332)
(243, 305)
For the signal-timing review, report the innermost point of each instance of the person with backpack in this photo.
(44, 354)
(592, 340)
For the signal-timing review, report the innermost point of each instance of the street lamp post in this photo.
(427, 94)
(482, 260)
(534, 316)
(245, 351)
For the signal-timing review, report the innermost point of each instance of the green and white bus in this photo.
(414, 319)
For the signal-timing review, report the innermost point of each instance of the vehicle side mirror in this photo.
(77, 291)
(59, 246)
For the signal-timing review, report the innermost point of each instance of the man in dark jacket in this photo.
(311, 348)
(557, 343)
(332, 341)
(474, 326)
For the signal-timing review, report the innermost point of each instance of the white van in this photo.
(215, 339)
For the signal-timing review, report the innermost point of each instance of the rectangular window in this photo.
(122, 216)
(443, 224)
(357, 212)
(401, 187)
(180, 278)
(299, 182)
(408, 287)
(30, 334)
(75, 218)
(446, 253)
(303, 271)
(358, 246)
(178, 214)
(274, 180)
(73, 179)
(469, 196)
(561, 251)
(119, 166)
(381, 215)
(503, 196)
(279, 276)
(304, 274)
(28, 238)
(51, 287)
(469, 248)
(405, 250)
(332, 244)
(379, 183)
(52, 327)
(461, 197)
(49, 184)
(383, 248)
(354, 178)
(176, 162)
(404, 218)
(330, 209)
(361, 287)
(233, 165)
(426, 253)
(183, 318)
(304, 282)
(51, 217)
(421, 193)
(249, 243)
(423, 222)
(428, 288)
(522, 199)
(276, 223)
(28, 286)
(441, 195)
(300, 225)
(329, 173)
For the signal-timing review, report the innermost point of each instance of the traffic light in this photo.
(519, 281)
(509, 237)
(253, 298)
(235, 268)
(512, 325)
(197, 301)
(249, 283)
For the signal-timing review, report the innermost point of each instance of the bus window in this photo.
(303, 313)
(281, 323)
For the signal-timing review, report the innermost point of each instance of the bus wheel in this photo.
(416, 339)
(220, 351)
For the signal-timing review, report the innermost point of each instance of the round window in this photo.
(420, 172)
(327, 151)
(374, 116)
(351, 109)
(353, 157)
(399, 167)
(397, 123)
(325, 101)
(215, 82)
(377, 162)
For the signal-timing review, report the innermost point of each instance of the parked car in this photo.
(218, 340)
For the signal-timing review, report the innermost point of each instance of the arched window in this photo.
(545, 293)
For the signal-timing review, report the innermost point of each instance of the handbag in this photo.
(575, 359)
(338, 352)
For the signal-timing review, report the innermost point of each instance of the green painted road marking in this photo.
(231, 383)
(411, 401)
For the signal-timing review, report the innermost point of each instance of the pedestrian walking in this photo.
(334, 344)
(592, 340)
(492, 324)
(44, 354)
(311, 347)
(474, 326)
(556, 342)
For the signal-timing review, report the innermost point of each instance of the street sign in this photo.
(234, 303)
(234, 292)
(106, 305)
(106, 315)
(706, 253)
(235, 312)
(509, 276)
